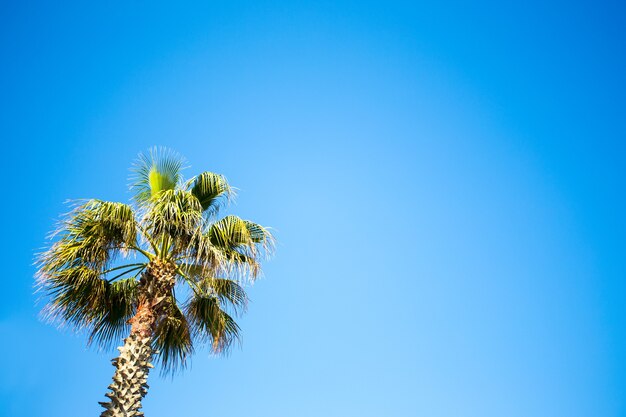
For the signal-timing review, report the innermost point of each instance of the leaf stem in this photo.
(148, 238)
(120, 267)
(119, 275)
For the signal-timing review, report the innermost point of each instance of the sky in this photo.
(445, 181)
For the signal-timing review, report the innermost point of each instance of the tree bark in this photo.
(132, 366)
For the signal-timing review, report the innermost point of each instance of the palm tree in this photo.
(117, 269)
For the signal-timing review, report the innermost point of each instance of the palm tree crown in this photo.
(104, 252)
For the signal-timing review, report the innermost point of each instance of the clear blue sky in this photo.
(446, 182)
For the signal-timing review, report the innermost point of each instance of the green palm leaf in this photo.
(82, 298)
(210, 323)
(242, 243)
(173, 338)
(154, 172)
(212, 190)
(229, 292)
(114, 311)
(174, 213)
(91, 235)
(76, 295)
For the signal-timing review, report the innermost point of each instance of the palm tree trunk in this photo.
(132, 366)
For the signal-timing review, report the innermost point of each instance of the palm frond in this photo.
(193, 271)
(154, 172)
(73, 274)
(76, 293)
(199, 251)
(172, 338)
(174, 213)
(229, 291)
(235, 233)
(209, 322)
(114, 312)
(80, 297)
(212, 190)
(91, 235)
(261, 236)
(242, 243)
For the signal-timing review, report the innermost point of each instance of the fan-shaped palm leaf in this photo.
(156, 171)
(174, 214)
(229, 292)
(242, 243)
(91, 235)
(114, 311)
(210, 323)
(172, 338)
(212, 190)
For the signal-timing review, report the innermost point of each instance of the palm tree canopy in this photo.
(90, 272)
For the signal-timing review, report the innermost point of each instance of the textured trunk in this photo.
(132, 366)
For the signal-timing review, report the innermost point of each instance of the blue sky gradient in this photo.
(445, 180)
